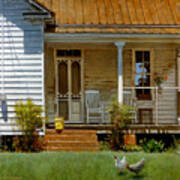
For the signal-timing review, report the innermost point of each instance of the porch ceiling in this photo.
(115, 16)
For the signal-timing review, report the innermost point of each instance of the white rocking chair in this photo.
(94, 109)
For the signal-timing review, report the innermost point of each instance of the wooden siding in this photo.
(127, 67)
(50, 82)
(23, 58)
(165, 64)
(100, 71)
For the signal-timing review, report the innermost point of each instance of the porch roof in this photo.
(115, 16)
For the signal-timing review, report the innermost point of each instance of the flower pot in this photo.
(130, 139)
(160, 90)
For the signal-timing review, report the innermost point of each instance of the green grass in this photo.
(85, 166)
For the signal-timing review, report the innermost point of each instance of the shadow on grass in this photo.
(137, 176)
(141, 176)
(121, 173)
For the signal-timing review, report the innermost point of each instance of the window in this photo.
(145, 116)
(68, 53)
(142, 74)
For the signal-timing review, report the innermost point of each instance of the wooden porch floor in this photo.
(134, 128)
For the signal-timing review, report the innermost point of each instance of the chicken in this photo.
(136, 168)
(120, 164)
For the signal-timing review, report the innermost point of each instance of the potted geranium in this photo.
(158, 80)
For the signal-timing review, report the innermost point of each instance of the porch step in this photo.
(62, 137)
(77, 149)
(71, 140)
(71, 131)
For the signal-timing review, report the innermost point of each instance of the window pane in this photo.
(76, 82)
(146, 80)
(63, 109)
(63, 78)
(139, 80)
(77, 53)
(139, 56)
(61, 53)
(146, 56)
(139, 62)
(139, 67)
(146, 67)
(68, 53)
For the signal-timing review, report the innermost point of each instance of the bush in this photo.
(130, 148)
(28, 119)
(152, 145)
(104, 146)
(121, 116)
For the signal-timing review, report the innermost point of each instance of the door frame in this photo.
(81, 120)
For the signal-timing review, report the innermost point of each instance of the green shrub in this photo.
(104, 146)
(121, 116)
(28, 118)
(129, 148)
(152, 145)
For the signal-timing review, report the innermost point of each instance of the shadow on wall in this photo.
(20, 36)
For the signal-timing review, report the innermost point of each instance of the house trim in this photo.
(111, 38)
(36, 5)
(42, 13)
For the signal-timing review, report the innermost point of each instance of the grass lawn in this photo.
(85, 166)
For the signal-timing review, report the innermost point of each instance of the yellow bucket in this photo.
(59, 123)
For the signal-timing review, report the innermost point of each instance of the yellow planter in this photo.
(59, 123)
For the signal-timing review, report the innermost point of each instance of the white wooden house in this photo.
(53, 51)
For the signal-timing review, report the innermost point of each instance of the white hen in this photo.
(120, 164)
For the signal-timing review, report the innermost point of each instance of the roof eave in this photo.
(42, 13)
(110, 38)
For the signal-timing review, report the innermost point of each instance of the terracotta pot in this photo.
(160, 90)
(130, 139)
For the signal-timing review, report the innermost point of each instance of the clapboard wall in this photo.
(23, 58)
(164, 63)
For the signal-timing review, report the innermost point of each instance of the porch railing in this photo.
(152, 105)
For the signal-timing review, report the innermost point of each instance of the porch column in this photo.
(120, 46)
(178, 83)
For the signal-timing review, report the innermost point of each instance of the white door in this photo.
(69, 85)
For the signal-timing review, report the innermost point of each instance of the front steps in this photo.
(71, 140)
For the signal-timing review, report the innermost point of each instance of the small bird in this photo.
(136, 168)
(120, 164)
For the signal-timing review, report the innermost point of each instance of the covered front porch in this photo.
(111, 69)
